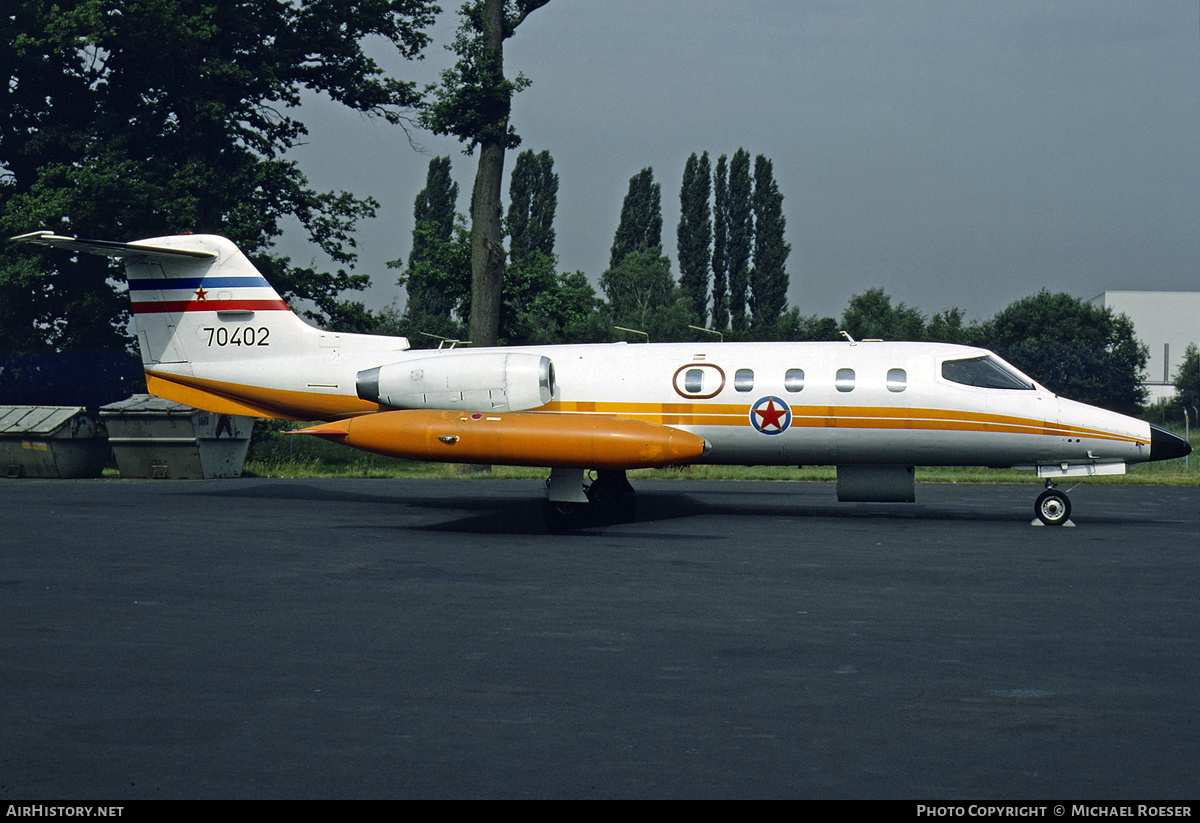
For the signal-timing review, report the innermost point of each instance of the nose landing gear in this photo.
(1053, 507)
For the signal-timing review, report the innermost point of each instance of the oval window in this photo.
(793, 380)
(845, 380)
(698, 381)
(897, 380)
(743, 379)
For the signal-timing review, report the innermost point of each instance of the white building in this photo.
(1166, 322)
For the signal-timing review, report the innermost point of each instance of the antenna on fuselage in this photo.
(443, 341)
(634, 331)
(710, 331)
(846, 335)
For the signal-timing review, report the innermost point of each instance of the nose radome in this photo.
(1165, 446)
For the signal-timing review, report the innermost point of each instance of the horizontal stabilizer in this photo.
(111, 248)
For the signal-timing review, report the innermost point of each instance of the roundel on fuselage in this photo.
(698, 381)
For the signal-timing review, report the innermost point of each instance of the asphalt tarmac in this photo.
(378, 638)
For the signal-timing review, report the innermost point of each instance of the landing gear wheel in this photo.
(613, 498)
(1052, 507)
(563, 517)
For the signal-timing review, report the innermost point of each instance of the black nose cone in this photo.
(1164, 445)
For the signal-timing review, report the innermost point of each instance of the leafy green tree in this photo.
(871, 316)
(542, 306)
(473, 103)
(769, 277)
(136, 118)
(740, 239)
(532, 202)
(792, 326)
(1075, 349)
(694, 235)
(640, 227)
(438, 282)
(720, 259)
(642, 295)
(947, 327)
(1187, 378)
(437, 276)
(436, 205)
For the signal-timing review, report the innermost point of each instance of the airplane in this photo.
(215, 335)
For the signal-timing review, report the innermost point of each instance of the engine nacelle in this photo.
(478, 381)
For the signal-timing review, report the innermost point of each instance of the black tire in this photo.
(1052, 507)
(612, 498)
(561, 518)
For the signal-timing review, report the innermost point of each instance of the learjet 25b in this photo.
(215, 335)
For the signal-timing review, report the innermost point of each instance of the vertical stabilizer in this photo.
(215, 335)
(195, 298)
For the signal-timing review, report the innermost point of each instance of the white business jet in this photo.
(215, 335)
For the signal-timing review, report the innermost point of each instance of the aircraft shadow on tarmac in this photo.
(503, 517)
(523, 515)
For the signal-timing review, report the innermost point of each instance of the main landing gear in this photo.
(1053, 507)
(572, 504)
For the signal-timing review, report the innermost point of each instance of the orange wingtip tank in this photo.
(516, 439)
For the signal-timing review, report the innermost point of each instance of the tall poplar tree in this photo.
(539, 303)
(532, 202)
(740, 239)
(437, 275)
(473, 103)
(768, 278)
(640, 227)
(720, 264)
(694, 235)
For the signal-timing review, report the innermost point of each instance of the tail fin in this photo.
(213, 332)
(181, 286)
(175, 292)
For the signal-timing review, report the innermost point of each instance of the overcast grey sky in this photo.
(956, 153)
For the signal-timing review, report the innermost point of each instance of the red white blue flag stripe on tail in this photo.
(239, 293)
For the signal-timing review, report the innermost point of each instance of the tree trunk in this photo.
(487, 235)
(487, 245)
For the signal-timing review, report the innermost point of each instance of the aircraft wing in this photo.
(110, 248)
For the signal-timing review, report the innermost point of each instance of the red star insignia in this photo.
(770, 415)
(201, 294)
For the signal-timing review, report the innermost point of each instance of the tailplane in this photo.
(215, 334)
(189, 296)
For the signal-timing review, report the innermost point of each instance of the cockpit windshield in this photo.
(985, 372)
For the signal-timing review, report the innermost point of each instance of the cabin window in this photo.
(897, 380)
(793, 380)
(845, 380)
(985, 372)
(743, 379)
(698, 380)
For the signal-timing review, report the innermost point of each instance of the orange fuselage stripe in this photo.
(841, 417)
(258, 401)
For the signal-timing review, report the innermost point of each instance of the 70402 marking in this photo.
(237, 335)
